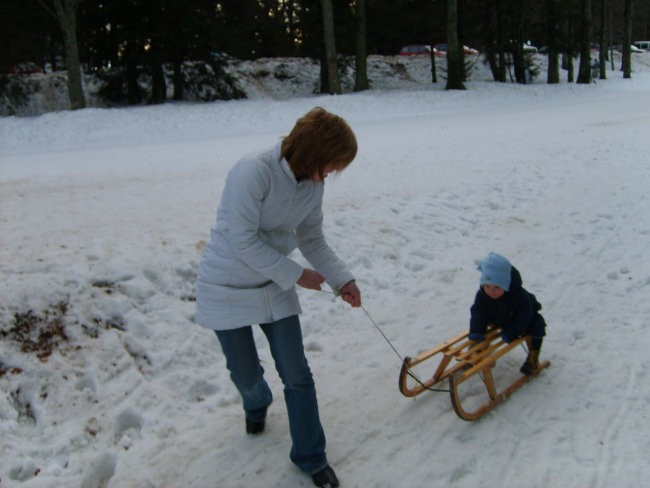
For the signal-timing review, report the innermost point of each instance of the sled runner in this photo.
(460, 359)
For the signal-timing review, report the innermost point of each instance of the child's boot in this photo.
(532, 363)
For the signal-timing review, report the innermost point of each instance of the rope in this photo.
(382, 333)
(337, 294)
(401, 358)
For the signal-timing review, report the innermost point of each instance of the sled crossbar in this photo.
(459, 359)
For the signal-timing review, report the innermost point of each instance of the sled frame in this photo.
(460, 359)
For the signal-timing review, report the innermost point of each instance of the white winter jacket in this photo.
(245, 276)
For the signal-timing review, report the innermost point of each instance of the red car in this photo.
(25, 68)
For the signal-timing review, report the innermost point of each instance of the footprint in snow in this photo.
(100, 471)
(127, 425)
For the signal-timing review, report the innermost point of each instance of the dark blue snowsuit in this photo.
(516, 312)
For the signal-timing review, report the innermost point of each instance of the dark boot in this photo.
(254, 427)
(531, 365)
(325, 478)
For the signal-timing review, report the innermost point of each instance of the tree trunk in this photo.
(569, 67)
(553, 75)
(567, 56)
(611, 41)
(627, 40)
(65, 12)
(518, 49)
(489, 40)
(492, 62)
(324, 77)
(333, 79)
(491, 46)
(178, 80)
(158, 85)
(454, 79)
(461, 44)
(432, 56)
(361, 59)
(132, 87)
(602, 47)
(500, 42)
(584, 71)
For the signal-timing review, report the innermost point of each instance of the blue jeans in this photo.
(285, 340)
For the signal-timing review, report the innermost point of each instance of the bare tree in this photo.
(454, 74)
(584, 71)
(65, 12)
(361, 64)
(333, 79)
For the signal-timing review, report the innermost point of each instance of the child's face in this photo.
(493, 291)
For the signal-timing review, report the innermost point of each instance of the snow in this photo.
(104, 213)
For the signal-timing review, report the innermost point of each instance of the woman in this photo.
(271, 204)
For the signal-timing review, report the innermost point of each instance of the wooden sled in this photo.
(460, 359)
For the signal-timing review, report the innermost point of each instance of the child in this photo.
(503, 302)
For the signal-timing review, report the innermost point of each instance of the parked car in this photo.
(633, 49)
(25, 68)
(645, 45)
(415, 50)
(526, 47)
(529, 48)
(441, 50)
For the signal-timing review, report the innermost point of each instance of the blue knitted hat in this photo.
(495, 270)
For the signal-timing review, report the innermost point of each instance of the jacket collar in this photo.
(284, 164)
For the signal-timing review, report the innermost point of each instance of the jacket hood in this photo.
(495, 270)
(516, 282)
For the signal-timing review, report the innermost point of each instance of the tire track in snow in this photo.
(606, 460)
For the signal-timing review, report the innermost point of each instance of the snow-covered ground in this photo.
(103, 214)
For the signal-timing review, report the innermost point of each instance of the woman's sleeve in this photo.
(313, 246)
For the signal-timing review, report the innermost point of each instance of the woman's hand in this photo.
(350, 293)
(311, 279)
